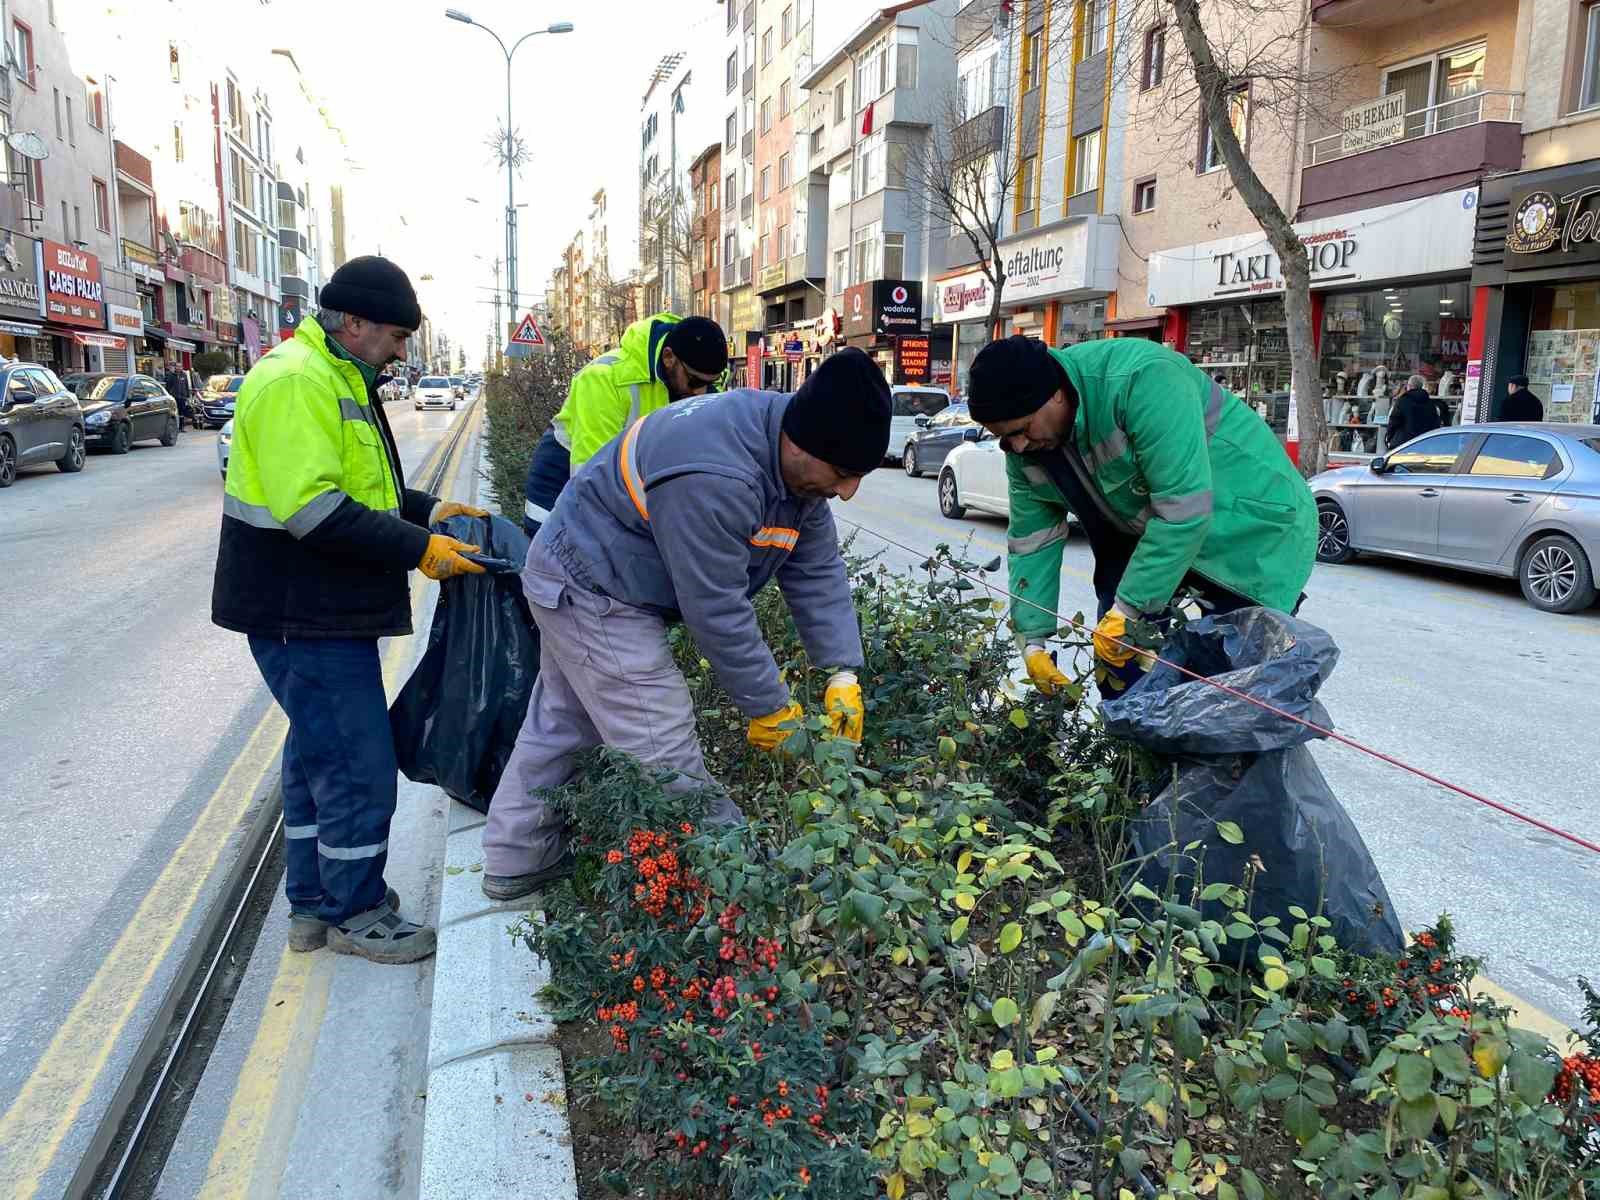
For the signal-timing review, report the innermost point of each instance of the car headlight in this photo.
(99, 418)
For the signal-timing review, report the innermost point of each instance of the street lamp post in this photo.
(455, 14)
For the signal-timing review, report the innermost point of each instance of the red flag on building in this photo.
(866, 119)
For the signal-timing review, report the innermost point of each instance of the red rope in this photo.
(1262, 704)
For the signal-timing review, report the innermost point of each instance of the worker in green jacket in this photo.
(1178, 484)
(660, 359)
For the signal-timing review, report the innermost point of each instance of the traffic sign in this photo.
(527, 333)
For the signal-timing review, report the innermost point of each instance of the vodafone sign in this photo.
(891, 306)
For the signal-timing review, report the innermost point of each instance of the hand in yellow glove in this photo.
(1042, 669)
(442, 559)
(767, 733)
(845, 711)
(1113, 628)
(454, 508)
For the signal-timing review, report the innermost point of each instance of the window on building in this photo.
(780, 244)
(712, 203)
(1589, 80)
(730, 190)
(96, 109)
(1144, 195)
(733, 70)
(286, 260)
(841, 270)
(783, 171)
(1086, 162)
(33, 186)
(977, 87)
(766, 48)
(56, 94)
(22, 42)
(1238, 117)
(72, 126)
(1155, 57)
(766, 115)
(840, 103)
(174, 68)
(102, 206)
(66, 223)
(870, 156)
(733, 16)
(872, 72)
(1030, 60)
(783, 98)
(729, 246)
(177, 141)
(867, 252)
(1094, 18)
(77, 222)
(766, 183)
(1026, 171)
(816, 143)
(763, 249)
(731, 131)
(905, 58)
(894, 256)
(786, 26)
(1443, 91)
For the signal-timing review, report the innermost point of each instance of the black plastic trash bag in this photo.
(1240, 763)
(457, 717)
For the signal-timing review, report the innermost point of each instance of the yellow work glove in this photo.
(844, 710)
(1113, 628)
(766, 733)
(1042, 669)
(442, 559)
(454, 508)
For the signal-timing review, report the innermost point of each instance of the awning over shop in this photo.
(1134, 324)
(21, 329)
(109, 341)
(176, 343)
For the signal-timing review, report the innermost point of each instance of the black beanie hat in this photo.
(1520, 381)
(841, 413)
(1011, 378)
(700, 345)
(375, 289)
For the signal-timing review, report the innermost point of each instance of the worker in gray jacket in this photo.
(687, 516)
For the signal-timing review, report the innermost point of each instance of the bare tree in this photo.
(667, 240)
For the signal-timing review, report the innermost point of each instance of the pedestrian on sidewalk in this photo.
(686, 517)
(178, 387)
(661, 359)
(1177, 483)
(319, 533)
(1520, 404)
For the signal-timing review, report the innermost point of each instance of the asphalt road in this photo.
(122, 709)
(1453, 673)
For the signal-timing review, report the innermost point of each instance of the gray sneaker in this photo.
(382, 935)
(515, 887)
(307, 933)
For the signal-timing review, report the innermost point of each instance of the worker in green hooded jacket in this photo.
(660, 359)
(1178, 484)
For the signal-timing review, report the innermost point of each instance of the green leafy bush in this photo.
(520, 404)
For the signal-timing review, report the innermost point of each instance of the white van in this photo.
(911, 402)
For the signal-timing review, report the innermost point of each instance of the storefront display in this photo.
(1244, 347)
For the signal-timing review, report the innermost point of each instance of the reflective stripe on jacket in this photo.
(1176, 461)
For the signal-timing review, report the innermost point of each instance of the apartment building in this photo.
(743, 315)
(310, 154)
(246, 149)
(705, 232)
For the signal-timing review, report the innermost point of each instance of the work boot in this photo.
(515, 887)
(307, 932)
(382, 935)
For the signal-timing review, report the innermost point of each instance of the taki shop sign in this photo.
(1331, 255)
(73, 294)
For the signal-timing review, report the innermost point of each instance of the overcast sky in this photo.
(418, 95)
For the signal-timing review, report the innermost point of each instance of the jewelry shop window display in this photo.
(1245, 347)
(1374, 341)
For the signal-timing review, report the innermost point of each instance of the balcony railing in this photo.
(1425, 122)
(730, 275)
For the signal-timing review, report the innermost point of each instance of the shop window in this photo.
(1144, 195)
(1155, 57)
(1443, 91)
(1589, 80)
(1512, 457)
(1434, 455)
(1238, 118)
(1086, 163)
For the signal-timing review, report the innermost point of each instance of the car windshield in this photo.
(97, 387)
(433, 381)
(919, 404)
(457, 379)
(224, 383)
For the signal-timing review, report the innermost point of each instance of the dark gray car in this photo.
(40, 421)
(1512, 499)
(934, 438)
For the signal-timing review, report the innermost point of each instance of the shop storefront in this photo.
(21, 300)
(1536, 269)
(1390, 299)
(962, 303)
(1059, 280)
(877, 313)
(744, 334)
(128, 323)
(74, 303)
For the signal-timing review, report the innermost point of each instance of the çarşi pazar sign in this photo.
(72, 291)
(1373, 123)
(1427, 236)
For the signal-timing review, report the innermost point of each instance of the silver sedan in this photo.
(1510, 499)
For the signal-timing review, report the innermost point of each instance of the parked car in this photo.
(434, 391)
(934, 437)
(40, 421)
(458, 384)
(394, 387)
(224, 443)
(217, 400)
(909, 404)
(119, 410)
(1510, 499)
(974, 477)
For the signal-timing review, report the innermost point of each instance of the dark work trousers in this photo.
(338, 771)
(547, 475)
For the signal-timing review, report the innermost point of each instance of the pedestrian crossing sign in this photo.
(526, 338)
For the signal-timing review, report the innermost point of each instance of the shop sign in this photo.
(774, 276)
(752, 363)
(19, 276)
(745, 311)
(1078, 255)
(963, 297)
(1432, 236)
(72, 291)
(1552, 226)
(1470, 390)
(794, 349)
(1374, 123)
(222, 306)
(127, 321)
(883, 306)
(913, 358)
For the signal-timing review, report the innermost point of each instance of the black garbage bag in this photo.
(1239, 763)
(457, 717)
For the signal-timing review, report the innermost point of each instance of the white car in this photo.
(974, 477)
(434, 391)
(224, 442)
(909, 404)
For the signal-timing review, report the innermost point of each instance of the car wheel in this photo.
(8, 461)
(169, 436)
(72, 461)
(121, 439)
(1555, 575)
(452, 406)
(949, 501)
(1333, 533)
(909, 461)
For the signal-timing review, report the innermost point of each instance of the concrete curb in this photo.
(496, 1124)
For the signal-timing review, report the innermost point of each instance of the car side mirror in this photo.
(975, 434)
(920, 420)
(1379, 465)
(23, 398)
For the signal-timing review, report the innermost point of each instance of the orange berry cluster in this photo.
(663, 882)
(1580, 1076)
